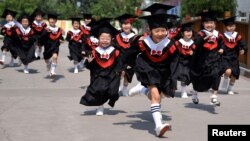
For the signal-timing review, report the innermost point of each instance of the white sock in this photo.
(39, 51)
(183, 88)
(230, 87)
(155, 109)
(124, 87)
(53, 68)
(3, 56)
(194, 94)
(11, 59)
(26, 67)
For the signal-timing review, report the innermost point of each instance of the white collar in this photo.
(156, 47)
(105, 51)
(186, 43)
(75, 32)
(130, 35)
(25, 31)
(9, 24)
(215, 33)
(54, 29)
(87, 27)
(39, 24)
(231, 35)
(94, 40)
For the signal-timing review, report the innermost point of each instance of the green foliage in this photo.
(192, 7)
(66, 8)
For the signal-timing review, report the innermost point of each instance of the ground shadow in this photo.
(54, 78)
(143, 121)
(84, 87)
(31, 71)
(107, 111)
(203, 107)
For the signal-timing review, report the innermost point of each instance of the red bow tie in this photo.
(105, 56)
(185, 47)
(125, 39)
(154, 52)
(231, 40)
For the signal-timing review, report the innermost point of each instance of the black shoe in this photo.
(195, 101)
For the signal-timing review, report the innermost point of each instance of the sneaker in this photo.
(26, 71)
(76, 71)
(195, 98)
(52, 74)
(214, 101)
(230, 92)
(161, 130)
(138, 89)
(100, 111)
(184, 95)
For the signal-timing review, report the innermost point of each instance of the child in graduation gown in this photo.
(105, 64)
(206, 65)
(51, 38)
(24, 41)
(7, 31)
(233, 46)
(87, 19)
(74, 37)
(38, 26)
(156, 64)
(123, 40)
(186, 47)
(175, 29)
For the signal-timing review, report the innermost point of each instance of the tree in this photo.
(192, 7)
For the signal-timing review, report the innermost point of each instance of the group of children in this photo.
(167, 53)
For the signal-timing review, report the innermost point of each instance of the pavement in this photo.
(34, 107)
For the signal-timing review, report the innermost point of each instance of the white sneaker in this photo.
(230, 92)
(195, 98)
(184, 95)
(215, 101)
(76, 71)
(138, 89)
(26, 71)
(100, 111)
(161, 130)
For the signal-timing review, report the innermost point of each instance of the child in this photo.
(74, 37)
(104, 64)
(233, 46)
(186, 48)
(87, 19)
(38, 26)
(123, 41)
(156, 64)
(175, 29)
(51, 38)
(205, 66)
(24, 41)
(7, 30)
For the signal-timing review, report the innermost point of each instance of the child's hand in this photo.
(191, 52)
(242, 52)
(141, 38)
(61, 41)
(90, 58)
(72, 37)
(221, 51)
(80, 41)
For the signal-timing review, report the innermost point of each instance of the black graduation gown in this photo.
(88, 45)
(206, 64)
(158, 70)
(38, 30)
(105, 80)
(51, 42)
(123, 46)
(183, 70)
(8, 40)
(24, 44)
(231, 54)
(75, 45)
